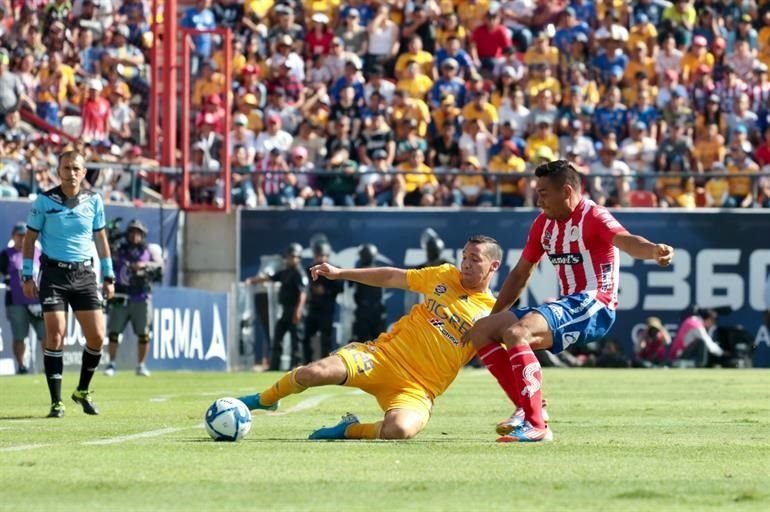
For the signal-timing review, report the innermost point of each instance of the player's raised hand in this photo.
(324, 270)
(664, 254)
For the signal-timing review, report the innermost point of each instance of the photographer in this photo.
(136, 268)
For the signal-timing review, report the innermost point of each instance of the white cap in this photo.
(95, 84)
(320, 17)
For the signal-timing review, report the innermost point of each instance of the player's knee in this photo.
(397, 430)
(516, 335)
(54, 340)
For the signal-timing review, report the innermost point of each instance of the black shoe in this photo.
(57, 410)
(23, 370)
(85, 399)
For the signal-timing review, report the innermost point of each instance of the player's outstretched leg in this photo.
(398, 424)
(493, 355)
(328, 371)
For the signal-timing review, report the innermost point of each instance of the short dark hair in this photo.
(560, 172)
(70, 154)
(494, 250)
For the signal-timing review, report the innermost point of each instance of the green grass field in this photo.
(624, 440)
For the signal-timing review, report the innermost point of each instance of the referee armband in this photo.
(108, 274)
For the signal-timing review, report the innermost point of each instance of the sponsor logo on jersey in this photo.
(569, 338)
(439, 324)
(572, 258)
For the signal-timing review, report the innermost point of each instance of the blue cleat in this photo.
(335, 432)
(526, 433)
(253, 403)
(516, 420)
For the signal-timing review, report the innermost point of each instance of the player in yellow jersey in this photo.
(408, 367)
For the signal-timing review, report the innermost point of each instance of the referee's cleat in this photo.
(57, 410)
(507, 426)
(84, 398)
(335, 432)
(253, 403)
(527, 433)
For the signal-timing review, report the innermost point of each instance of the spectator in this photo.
(273, 138)
(242, 137)
(470, 188)
(418, 185)
(376, 136)
(448, 84)
(274, 184)
(96, 113)
(318, 40)
(199, 17)
(638, 150)
(415, 83)
(306, 191)
(543, 136)
(653, 344)
(352, 35)
(576, 143)
(514, 190)
(242, 176)
(709, 149)
(488, 41)
(740, 185)
(445, 152)
(383, 43)
(340, 187)
(476, 140)
(693, 341)
(717, 189)
(452, 49)
(416, 54)
(376, 187)
(376, 83)
(610, 182)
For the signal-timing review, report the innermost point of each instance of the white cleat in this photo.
(516, 420)
(110, 370)
(142, 371)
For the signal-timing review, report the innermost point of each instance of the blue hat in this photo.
(641, 18)
(740, 129)
(570, 11)
(616, 70)
(640, 125)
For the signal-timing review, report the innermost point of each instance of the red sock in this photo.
(495, 358)
(528, 377)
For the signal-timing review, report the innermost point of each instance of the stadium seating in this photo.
(452, 80)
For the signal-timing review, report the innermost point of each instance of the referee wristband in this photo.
(107, 272)
(26, 267)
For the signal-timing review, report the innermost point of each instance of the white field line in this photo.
(304, 405)
(23, 447)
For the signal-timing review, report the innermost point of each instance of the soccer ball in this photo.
(228, 419)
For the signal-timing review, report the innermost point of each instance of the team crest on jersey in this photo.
(574, 234)
(547, 241)
(440, 289)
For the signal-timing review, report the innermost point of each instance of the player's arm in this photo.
(105, 259)
(514, 285)
(28, 254)
(382, 277)
(642, 249)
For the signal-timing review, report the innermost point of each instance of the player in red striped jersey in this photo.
(582, 240)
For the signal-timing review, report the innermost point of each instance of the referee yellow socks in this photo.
(283, 387)
(363, 431)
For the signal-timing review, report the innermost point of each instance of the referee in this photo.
(66, 219)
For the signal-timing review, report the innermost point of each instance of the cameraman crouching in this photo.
(136, 267)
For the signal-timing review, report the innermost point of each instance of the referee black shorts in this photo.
(64, 283)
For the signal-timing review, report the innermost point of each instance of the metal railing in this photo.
(139, 189)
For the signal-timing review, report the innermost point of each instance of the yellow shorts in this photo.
(372, 371)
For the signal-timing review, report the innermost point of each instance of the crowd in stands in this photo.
(330, 97)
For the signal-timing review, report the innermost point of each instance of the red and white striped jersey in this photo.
(580, 248)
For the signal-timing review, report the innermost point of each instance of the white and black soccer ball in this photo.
(228, 419)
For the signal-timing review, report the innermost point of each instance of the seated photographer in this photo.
(693, 341)
(653, 342)
(136, 268)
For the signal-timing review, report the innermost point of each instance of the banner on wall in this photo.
(722, 258)
(190, 332)
(163, 225)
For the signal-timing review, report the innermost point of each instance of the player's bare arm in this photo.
(383, 277)
(514, 285)
(28, 252)
(642, 249)
(103, 250)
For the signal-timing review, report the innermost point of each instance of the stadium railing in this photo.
(140, 188)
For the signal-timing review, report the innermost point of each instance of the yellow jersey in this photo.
(426, 341)
(423, 175)
(487, 113)
(422, 58)
(416, 87)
